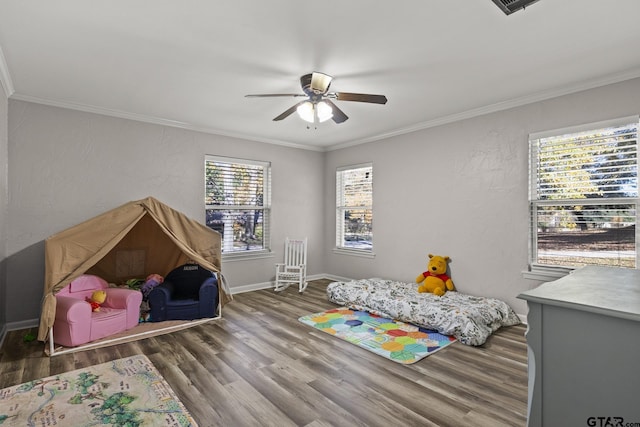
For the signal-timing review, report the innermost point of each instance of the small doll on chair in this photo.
(97, 299)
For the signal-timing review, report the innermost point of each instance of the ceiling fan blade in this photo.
(320, 82)
(271, 95)
(361, 97)
(288, 112)
(338, 115)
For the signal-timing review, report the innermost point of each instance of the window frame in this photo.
(265, 208)
(540, 271)
(340, 248)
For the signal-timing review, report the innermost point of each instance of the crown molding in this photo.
(499, 106)
(5, 77)
(156, 120)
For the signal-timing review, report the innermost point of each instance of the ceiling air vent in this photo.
(510, 6)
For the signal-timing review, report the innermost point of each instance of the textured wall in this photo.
(461, 190)
(68, 166)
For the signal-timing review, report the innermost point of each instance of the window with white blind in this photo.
(584, 196)
(237, 203)
(354, 209)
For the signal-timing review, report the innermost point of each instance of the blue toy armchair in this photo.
(188, 292)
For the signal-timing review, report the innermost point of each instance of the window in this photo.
(354, 211)
(237, 203)
(584, 196)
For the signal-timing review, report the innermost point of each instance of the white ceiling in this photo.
(189, 63)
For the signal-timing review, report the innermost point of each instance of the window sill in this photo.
(354, 252)
(546, 274)
(243, 256)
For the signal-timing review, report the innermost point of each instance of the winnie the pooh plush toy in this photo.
(435, 279)
(97, 299)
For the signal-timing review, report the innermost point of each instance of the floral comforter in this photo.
(469, 318)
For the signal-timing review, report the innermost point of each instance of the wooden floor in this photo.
(259, 366)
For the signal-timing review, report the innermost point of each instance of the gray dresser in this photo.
(584, 349)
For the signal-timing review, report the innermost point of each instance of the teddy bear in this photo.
(97, 299)
(435, 279)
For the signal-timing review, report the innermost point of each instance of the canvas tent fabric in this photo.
(133, 240)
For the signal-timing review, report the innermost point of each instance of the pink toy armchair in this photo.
(77, 324)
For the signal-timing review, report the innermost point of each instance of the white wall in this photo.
(68, 166)
(461, 190)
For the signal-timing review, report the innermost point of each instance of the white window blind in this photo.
(237, 200)
(354, 208)
(584, 196)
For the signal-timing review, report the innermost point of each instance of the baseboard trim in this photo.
(270, 285)
(335, 278)
(523, 318)
(252, 287)
(23, 324)
(15, 326)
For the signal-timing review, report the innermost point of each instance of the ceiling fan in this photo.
(318, 106)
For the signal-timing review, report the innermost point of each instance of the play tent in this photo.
(132, 241)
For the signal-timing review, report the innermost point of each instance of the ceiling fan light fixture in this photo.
(315, 112)
(305, 111)
(324, 110)
(320, 82)
(318, 107)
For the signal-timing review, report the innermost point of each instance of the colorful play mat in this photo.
(395, 340)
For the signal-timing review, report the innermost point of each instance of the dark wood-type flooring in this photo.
(259, 366)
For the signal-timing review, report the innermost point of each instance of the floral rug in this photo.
(124, 392)
(395, 340)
